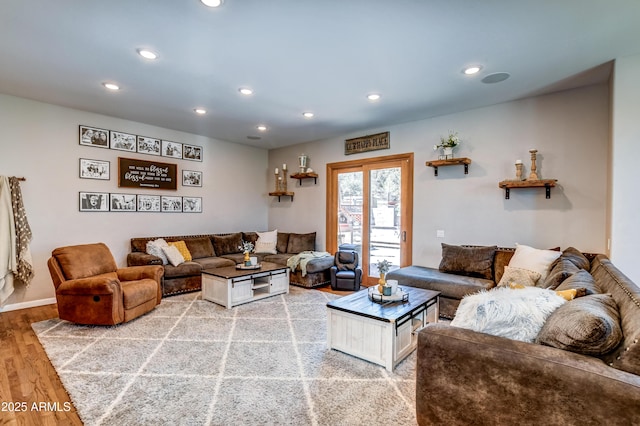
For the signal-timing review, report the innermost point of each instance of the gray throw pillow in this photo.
(588, 325)
(581, 279)
(469, 261)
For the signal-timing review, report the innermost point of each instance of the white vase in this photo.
(447, 151)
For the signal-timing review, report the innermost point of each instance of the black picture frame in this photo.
(192, 204)
(171, 149)
(122, 202)
(171, 204)
(93, 201)
(191, 178)
(122, 141)
(94, 136)
(150, 146)
(191, 152)
(148, 203)
(94, 169)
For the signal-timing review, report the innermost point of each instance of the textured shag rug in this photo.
(192, 362)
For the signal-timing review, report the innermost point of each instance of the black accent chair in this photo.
(345, 274)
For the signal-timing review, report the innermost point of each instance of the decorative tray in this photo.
(399, 296)
(241, 266)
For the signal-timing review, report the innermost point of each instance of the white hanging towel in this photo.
(8, 256)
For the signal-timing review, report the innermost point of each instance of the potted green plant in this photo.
(447, 144)
(383, 268)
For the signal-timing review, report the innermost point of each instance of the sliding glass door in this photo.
(370, 211)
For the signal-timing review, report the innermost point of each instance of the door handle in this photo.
(404, 236)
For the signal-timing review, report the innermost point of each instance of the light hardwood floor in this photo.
(27, 376)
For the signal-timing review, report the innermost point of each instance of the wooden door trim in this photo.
(332, 169)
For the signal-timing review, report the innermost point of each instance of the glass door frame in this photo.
(405, 162)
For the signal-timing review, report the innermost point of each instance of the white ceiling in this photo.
(303, 55)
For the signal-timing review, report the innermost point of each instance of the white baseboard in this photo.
(25, 305)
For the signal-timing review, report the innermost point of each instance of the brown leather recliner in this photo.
(90, 289)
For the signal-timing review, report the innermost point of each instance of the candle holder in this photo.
(519, 171)
(302, 162)
(277, 181)
(284, 178)
(533, 175)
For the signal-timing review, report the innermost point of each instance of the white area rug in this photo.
(192, 362)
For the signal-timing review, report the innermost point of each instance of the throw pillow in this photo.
(155, 248)
(227, 244)
(576, 257)
(505, 312)
(561, 270)
(469, 261)
(589, 325)
(266, 242)
(283, 242)
(519, 276)
(301, 242)
(200, 247)
(182, 248)
(533, 259)
(565, 294)
(173, 254)
(580, 280)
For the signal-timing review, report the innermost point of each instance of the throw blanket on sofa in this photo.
(303, 258)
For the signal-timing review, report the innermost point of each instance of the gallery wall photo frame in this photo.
(95, 169)
(122, 202)
(171, 204)
(94, 201)
(191, 152)
(191, 178)
(94, 136)
(151, 146)
(122, 141)
(192, 204)
(171, 149)
(149, 203)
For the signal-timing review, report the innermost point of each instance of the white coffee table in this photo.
(229, 286)
(384, 334)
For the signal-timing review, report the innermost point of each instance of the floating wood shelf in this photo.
(282, 194)
(302, 176)
(541, 183)
(462, 161)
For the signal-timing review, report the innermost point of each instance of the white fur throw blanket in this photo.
(516, 314)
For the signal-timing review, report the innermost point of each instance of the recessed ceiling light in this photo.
(373, 97)
(245, 91)
(212, 3)
(200, 111)
(307, 114)
(472, 70)
(111, 86)
(147, 54)
(262, 128)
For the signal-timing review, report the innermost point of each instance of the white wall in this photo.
(570, 130)
(40, 142)
(625, 200)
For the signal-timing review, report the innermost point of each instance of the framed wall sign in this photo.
(367, 143)
(134, 173)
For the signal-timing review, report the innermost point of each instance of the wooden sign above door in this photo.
(367, 143)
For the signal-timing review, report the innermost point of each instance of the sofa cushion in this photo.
(283, 242)
(251, 237)
(513, 275)
(562, 270)
(534, 259)
(449, 285)
(516, 314)
(501, 259)
(182, 248)
(280, 258)
(589, 325)
(213, 262)
(185, 269)
(301, 242)
(469, 261)
(200, 247)
(581, 279)
(227, 244)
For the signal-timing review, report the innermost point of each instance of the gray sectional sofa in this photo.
(219, 250)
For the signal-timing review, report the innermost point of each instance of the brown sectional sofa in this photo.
(466, 377)
(218, 250)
